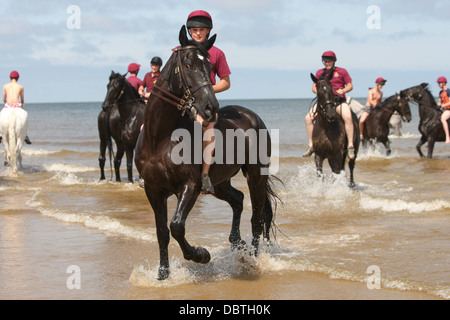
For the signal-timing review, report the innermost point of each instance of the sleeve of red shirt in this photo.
(347, 78)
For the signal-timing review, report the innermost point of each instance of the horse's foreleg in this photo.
(319, 165)
(235, 199)
(130, 164)
(159, 205)
(118, 160)
(431, 143)
(102, 159)
(387, 145)
(422, 141)
(351, 166)
(186, 200)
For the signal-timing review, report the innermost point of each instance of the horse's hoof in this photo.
(163, 273)
(238, 245)
(201, 255)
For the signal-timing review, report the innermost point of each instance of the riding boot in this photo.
(207, 187)
(27, 140)
(308, 152)
(351, 153)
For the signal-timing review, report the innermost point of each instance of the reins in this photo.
(186, 102)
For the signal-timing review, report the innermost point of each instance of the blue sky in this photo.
(271, 46)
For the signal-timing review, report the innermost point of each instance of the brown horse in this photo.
(430, 125)
(329, 138)
(183, 90)
(376, 126)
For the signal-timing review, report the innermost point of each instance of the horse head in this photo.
(115, 89)
(189, 77)
(325, 96)
(402, 107)
(414, 94)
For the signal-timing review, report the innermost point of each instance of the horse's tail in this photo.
(12, 141)
(270, 207)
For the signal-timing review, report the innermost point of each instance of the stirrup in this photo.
(351, 152)
(308, 152)
(207, 187)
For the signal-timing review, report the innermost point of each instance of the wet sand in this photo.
(35, 266)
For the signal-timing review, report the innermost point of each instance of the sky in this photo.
(66, 50)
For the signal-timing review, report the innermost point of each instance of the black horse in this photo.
(430, 125)
(376, 126)
(329, 137)
(183, 90)
(131, 109)
(105, 121)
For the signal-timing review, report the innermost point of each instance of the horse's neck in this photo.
(427, 106)
(160, 121)
(387, 110)
(128, 102)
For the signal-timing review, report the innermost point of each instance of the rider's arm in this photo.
(22, 96)
(141, 90)
(222, 85)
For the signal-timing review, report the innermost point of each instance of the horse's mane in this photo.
(327, 73)
(431, 99)
(127, 83)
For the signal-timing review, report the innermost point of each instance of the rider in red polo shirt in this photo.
(199, 24)
(151, 77)
(342, 84)
(133, 69)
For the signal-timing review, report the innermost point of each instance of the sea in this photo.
(66, 234)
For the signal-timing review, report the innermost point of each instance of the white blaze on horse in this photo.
(13, 128)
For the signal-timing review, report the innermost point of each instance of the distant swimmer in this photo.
(374, 98)
(444, 103)
(13, 96)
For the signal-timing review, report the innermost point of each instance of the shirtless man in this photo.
(13, 96)
(373, 99)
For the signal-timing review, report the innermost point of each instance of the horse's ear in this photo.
(314, 79)
(424, 85)
(184, 41)
(210, 42)
(112, 74)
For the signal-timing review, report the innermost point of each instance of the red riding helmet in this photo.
(442, 79)
(133, 67)
(14, 75)
(199, 19)
(380, 81)
(329, 56)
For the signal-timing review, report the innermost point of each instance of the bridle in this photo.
(186, 102)
(122, 91)
(321, 107)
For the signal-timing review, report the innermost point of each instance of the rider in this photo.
(133, 69)
(444, 103)
(342, 84)
(13, 96)
(150, 77)
(199, 24)
(373, 100)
